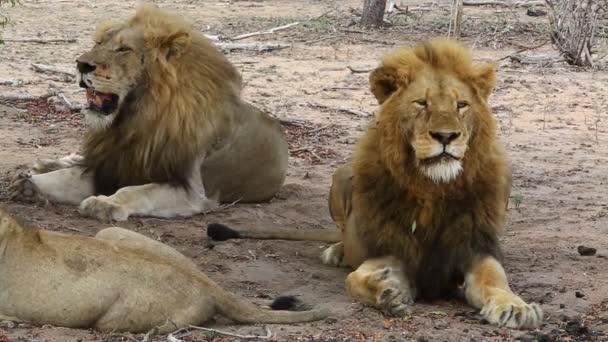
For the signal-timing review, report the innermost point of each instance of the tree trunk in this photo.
(373, 13)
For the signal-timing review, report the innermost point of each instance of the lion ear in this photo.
(485, 79)
(175, 44)
(383, 81)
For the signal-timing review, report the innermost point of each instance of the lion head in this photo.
(148, 58)
(435, 103)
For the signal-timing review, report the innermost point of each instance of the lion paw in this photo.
(385, 289)
(333, 255)
(103, 208)
(395, 301)
(23, 189)
(508, 310)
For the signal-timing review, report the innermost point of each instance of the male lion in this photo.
(118, 281)
(422, 205)
(167, 129)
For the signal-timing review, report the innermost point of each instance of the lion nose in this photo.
(85, 67)
(445, 138)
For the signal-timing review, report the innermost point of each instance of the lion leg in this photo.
(69, 186)
(487, 288)
(381, 283)
(154, 199)
(139, 242)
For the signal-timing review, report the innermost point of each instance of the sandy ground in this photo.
(552, 119)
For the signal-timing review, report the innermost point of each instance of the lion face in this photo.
(436, 110)
(436, 118)
(110, 71)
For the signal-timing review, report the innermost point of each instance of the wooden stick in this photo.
(359, 71)
(44, 68)
(14, 83)
(503, 3)
(251, 46)
(259, 33)
(172, 338)
(25, 97)
(40, 41)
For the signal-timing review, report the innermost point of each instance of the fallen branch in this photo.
(293, 122)
(40, 41)
(251, 46)
(355, 112)
(14, 83)
(319, 129)
(358, 71)
(524, 49)
(43, 68)
(532, 60)
(25, 97)
(172, 338)
(259, 33)
(503, 3)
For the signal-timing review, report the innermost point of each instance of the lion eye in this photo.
(462, 105)
(123, 49)
(421, 103)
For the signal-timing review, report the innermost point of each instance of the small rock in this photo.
(331, 320)
(579, 294)
(586, 251)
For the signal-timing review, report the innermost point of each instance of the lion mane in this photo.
(450, 224)
(160, 133)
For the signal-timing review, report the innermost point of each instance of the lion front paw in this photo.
(385, 289)
(23, 189)
(103, 208)
(508, 310)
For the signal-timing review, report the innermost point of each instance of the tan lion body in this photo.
(174, 134)
(422, 204)
(117, 281)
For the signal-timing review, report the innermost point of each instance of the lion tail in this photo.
(285, 309)
(220, 232)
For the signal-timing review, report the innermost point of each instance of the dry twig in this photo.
(251, 46)
(40, 41)
(172, 338)
(503, 3)
(270, 31)
(359, 71)
(44, 68)
(25, 97)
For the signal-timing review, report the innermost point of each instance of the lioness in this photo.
(118, 281)
(168, 134)
(422, 204)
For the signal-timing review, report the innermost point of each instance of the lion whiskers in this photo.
(443, 172)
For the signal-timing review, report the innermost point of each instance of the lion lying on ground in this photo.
(117, 281)
(422, 205)
(168, 134)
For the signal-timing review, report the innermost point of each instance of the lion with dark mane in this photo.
(423, 203)
(168, 134)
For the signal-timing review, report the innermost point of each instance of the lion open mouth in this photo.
(103, 103)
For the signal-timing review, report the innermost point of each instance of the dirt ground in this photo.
(552, 119)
